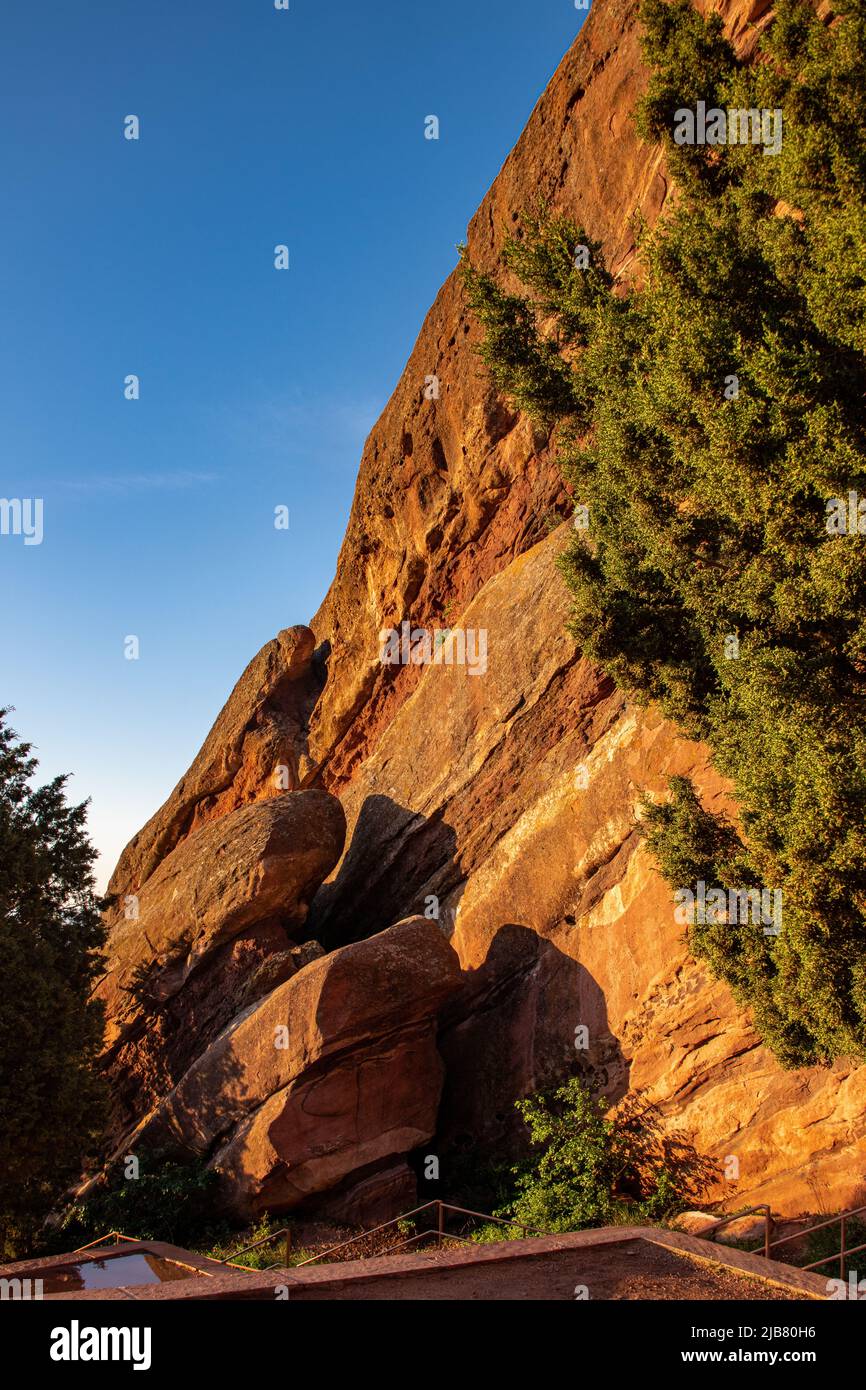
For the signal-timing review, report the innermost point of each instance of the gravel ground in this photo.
(632, 1270)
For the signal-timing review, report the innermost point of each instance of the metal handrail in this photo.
(372, 1232)
(265, 1240)
(735, 1216)
(112, 1235)
(821, 1226)
(841, 1257)
(419, 1235)
(439, 1232)
(769, 1245)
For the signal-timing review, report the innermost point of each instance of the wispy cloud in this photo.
(276, 424)
(119, 483)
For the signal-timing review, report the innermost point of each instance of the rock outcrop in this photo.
(230, 1034)
(505, 799)
(335, 1071)
(250, 754)
(257, 865)
(223, 908)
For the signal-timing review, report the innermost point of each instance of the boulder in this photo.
(274, 970)
(260, 864)
(695, 1223)
(746, 1230)
(332, 1073)
(372, 1198)
(260, 730)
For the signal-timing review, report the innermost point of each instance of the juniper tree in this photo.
(707, 417)
(51, 1101)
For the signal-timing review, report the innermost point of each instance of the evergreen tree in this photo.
(51, 1101)
(708, 417)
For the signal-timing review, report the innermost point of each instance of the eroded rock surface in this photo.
(259, 732)
(513, 797)
(335, 1071)
(509, 799)
(259, 864)
(214, 925)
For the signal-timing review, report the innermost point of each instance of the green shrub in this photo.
(490, 1232)
(828, 1242)
(274, 1252)
(169, 1200)
(593, 1169)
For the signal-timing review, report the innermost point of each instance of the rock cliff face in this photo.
(501, 793)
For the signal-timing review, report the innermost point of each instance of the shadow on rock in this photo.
(524, 1021)
(396, 860)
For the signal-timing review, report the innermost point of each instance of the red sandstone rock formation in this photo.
(334, 1072)
(508, 797)
(250, 754)
(222, 910)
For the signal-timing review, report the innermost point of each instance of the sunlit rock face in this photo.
(495, 800)
(335, 1072)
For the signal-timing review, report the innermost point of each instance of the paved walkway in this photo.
(634, 1269)
(619, 1262)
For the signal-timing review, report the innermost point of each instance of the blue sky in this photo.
(258, 387)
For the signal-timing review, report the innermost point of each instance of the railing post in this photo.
(842, 1251)
(441, 1221)
(767, 1232)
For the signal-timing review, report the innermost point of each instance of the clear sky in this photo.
(257, 386)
